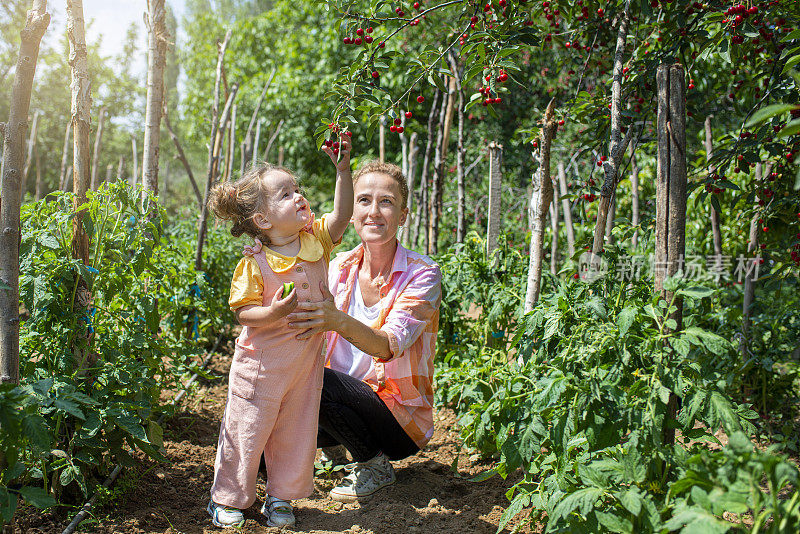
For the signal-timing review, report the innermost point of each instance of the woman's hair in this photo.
(238, 201)
(389, 169)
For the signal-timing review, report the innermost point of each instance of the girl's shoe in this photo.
(278, 512)
(225, 516)
(365, 478)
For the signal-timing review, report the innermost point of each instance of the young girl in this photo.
(275, 379)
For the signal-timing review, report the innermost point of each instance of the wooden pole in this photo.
(98, 140)
(158, 37)
(249, 153)
(670, 197)
(566, 208)
(461, 198)
(440, 166)
(541, 197)
(201, 234)
(382, 140)
(280, 156)
(421, 215)
(634, 197)
(182, 157)
(495, 184)
(29, 158)
(749, 283)
(62, 176)
(554, 220)
(81, 123)
(272, 140)
(715, 223)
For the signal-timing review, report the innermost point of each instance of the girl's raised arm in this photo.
(343, 197)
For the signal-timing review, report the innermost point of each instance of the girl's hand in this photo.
(341, 159)
(282, 307)
(315, 317)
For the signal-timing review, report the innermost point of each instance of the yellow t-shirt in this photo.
(247, 286)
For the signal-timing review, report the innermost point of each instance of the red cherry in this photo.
(561, 122)
(357, 40)
(347, 40)
(416, 5)
(360, 31)
(382, 44)
(399, 129)
(766, 228)
(392, 128)
(335, 144)
(368, 39)
(420, 99)
(375, 74)
(409, 114)
(369, 30)
(398, 122)
(600, 12)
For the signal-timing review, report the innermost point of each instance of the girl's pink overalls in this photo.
(273, 400)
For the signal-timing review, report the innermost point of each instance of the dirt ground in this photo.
(171, 498)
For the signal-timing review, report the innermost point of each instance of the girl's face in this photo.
(285, 210)
(376, 212)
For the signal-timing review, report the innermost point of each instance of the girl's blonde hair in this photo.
(238, 201)
(389, 169)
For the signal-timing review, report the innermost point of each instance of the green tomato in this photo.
(287, 288)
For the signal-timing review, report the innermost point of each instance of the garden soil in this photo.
(170, 498)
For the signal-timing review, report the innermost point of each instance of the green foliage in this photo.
(579, 402)
(94, 361)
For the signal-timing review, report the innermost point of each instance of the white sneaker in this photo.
(337, 455)
(225, 516)
(279, 513)
(365, 478)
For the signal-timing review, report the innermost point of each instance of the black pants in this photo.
(353, 415)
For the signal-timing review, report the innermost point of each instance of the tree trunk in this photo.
(133, 179)
(749, 283)
(29, 158)
(541, 197)
(566, 207)
(120, 168)
(280, 156)
(182, 157)
(634, 197)
(158, 37)
(257, 143)
(422, 216)
(715, 229)
(495, 185)
(231, 144)
(440, 167)
(617, 146)
(62, 176)
(201, 234)
(272, 140)
(461, 223)
(98, 141)
(670, 197)
(249, 153)
(109, 173)
(612, 213)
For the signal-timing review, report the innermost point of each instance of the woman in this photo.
(382, 319)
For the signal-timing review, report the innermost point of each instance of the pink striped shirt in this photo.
(409, 304)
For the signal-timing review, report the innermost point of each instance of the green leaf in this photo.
(625, 319)
(613, 522)
(131, 425)
(37, 497)
(696, 292)
(791, 128)
(769, 112)
(631, 500)
(582, 500)
(695, 520)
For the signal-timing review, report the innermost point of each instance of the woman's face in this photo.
(376, 212)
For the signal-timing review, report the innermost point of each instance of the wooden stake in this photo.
(495, 184)
(554, 219)
(62, 176)
(566, 208)
(413, 150)
(382, 140)
(715, 223)
(634, 197)
(158, 37)
(440, 167)
(670, 198)
(98, 140)
(29, 157)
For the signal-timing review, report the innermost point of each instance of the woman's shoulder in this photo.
(419, 260)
